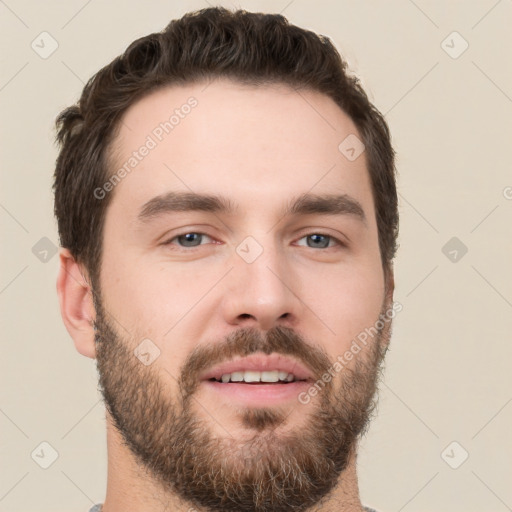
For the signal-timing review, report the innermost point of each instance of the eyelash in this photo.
(337, 241)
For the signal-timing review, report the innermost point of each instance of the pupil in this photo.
(318, 241)
(190, 239)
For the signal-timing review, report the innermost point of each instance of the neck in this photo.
(130, 487)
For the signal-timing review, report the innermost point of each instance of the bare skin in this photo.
(261, 148)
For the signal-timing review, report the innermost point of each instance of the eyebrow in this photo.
(305, 204)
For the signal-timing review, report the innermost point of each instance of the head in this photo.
(225, 194)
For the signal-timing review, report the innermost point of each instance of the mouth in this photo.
(258, 380)
(257, 377)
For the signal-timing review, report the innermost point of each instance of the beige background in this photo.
(448, 372)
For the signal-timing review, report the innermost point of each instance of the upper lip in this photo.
(261, 363)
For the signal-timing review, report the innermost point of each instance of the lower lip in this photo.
(258, 394)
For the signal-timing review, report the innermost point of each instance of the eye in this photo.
(319, 241)
(189, 240)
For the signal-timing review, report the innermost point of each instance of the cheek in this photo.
(150, 295)
(345, 302)
(150, 301)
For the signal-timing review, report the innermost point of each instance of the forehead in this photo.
(254, 144)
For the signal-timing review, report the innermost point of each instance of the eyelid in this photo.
(169, 240)
(337, 242)
(342, 240)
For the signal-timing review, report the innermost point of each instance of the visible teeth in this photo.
(272, 376)
(251, 376)
(255, 376)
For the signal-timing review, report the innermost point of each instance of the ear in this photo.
(76, 304)
(389, 284)
(389, 288)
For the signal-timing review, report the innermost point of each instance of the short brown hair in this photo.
(250, 48)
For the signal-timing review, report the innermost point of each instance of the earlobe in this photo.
(388, 304)
(76, 303)
(390, 284)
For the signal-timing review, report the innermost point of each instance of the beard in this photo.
(271, 470)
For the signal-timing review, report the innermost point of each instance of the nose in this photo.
(263, 293)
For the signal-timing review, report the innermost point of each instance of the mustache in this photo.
(247, 341)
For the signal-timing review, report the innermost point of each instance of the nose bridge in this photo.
(261, 266)
(260, 284)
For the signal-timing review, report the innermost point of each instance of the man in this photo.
(225, 194)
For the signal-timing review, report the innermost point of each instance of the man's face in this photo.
(273, 275)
